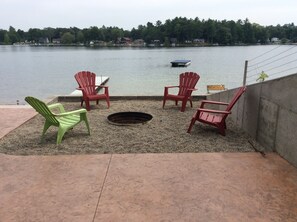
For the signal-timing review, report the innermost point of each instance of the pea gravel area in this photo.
(165, 133)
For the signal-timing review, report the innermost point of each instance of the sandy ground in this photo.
(165, 133)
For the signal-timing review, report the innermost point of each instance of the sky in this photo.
(128, 14)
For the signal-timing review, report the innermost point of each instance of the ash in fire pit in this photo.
(129, 118)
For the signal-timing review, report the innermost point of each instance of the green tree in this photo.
(94, 33)
(2, 34)
(80, 37)
(248, 31)
(166, 42)
(116, 33)
(179, 29)
(260, 33)
(48, 33)
(135, 33)
(34, 35)
(223, 35)
(7, 40)
(13, 35)
(22, 35)
(67, 38)
(209, 31)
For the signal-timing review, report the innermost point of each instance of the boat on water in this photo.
(180, 63)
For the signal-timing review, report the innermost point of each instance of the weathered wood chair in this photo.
(63, 120)
(87, 84)
(187, 83)
(215, 118)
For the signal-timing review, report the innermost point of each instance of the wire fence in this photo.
(277, 62)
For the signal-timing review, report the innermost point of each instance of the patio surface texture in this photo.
(143, 187)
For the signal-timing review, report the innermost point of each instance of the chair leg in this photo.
(81, 102)
(222, 130)
(88, 105)
(164, 101)
(184, 104)
(60, 135)
(45, 128)
(191, 125)
(85, 119)
(108, 103)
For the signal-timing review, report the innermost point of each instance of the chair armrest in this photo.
(171, 87)
(192, 89)
(83, 91)
(103, 87)
(168, 87)
(214, 111)
(79, 111)
(57, 105)
(214, 102)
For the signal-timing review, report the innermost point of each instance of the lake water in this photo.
(47, 71)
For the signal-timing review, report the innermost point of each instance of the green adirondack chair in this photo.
(64, 120)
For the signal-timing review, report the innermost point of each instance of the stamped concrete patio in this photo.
(144, 187)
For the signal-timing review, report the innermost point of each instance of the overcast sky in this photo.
(25, 14)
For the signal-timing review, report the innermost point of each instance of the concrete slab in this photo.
(144, 187)
(12, 116)
(50, 188)
(199, 187)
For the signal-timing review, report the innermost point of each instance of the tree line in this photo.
(179, 30)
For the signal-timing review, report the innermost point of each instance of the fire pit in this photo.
(129, 118)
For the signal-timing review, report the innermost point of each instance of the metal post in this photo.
(245, 72)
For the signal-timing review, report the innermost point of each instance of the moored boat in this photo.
(180, 63)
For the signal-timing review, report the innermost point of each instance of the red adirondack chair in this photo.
(187, 83)
(87, 84)
(215, 118)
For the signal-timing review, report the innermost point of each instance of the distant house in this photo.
(43, 41)
(100, 43)
(275, 40)
(156, 42)
(138, 42)
(56, 41)
(124, 41)
(198, 41)
(173, 40)
(97, 43)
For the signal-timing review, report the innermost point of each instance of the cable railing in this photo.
(277, 62)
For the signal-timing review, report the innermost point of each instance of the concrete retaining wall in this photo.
(268, 112)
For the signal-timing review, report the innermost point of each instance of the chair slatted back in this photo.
(187, 80)
(87, 81)
(42, 109)
(236, 97)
